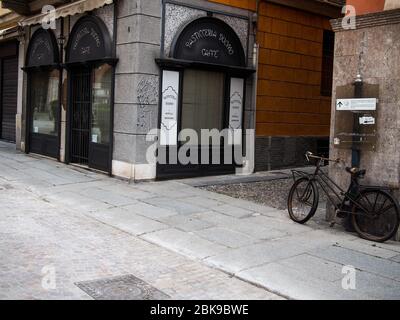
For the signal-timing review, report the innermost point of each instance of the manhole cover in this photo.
(121, 288)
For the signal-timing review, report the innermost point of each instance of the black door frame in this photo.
(90, 65)
(43, 61)
(44, 139)
(105, 54)
(167, 171)
(76, 95)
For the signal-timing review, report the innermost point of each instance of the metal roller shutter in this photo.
(9, 94)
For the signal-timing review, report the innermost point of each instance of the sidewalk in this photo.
(186, 242)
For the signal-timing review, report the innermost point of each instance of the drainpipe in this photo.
(358, 93)
(256, 51)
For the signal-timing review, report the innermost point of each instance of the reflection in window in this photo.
(45, 102)
(101, 108)
(203, 100)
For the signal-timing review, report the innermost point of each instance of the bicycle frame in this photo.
(339, 197)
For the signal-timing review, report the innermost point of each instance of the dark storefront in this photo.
(43, 103)
(90, 63)
(8, 89)
(203, 87)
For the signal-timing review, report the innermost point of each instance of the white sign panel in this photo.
(356, 104)
(169, 109)
(367, 120)
(236, 108)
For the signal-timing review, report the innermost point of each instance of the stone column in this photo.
(373, 51)
(136, 87)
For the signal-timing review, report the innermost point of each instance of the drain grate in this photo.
(121, 288)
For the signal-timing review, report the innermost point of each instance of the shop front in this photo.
(90, 65)
(203, 91)
(43, 94)
(8, 89)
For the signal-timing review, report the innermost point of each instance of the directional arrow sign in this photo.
(368, 104)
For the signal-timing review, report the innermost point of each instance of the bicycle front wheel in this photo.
(303, 200)
(377, 216)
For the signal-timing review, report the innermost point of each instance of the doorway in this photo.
(8, 103)
(80, 117)
(90, 116)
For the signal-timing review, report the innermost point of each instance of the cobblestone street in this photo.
(185, 242)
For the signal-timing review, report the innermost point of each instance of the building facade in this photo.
(370, 53)
(294, 81)
(93, 83)
(9, 47)
(367, 59)
(110, 79)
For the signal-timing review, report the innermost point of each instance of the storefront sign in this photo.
(209, 40)
(356, 104)
(89, 41)
(236, 108)
(169, 108)
(43, 49)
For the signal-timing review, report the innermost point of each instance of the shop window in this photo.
(101, 108)
(203, 100)
(327, 63)
(45, 102)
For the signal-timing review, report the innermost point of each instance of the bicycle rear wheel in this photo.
(377, 218)
(303, 200)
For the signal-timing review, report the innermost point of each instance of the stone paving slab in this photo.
(127, 221)
(233, 211)
(226, 237)
(186, 242)
(186, 223)
(361, 261)
(295, 284)
(177, 206)
(149, 211)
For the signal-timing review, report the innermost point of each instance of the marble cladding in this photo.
(374, 53)
(177, 16)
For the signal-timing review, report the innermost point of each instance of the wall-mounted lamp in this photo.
(21, 34)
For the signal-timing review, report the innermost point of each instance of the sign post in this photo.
(356, 121)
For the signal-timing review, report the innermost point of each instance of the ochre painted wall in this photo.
(244, 4)
(289, 82)
(367, 6)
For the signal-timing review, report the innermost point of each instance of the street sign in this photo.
(368, 104)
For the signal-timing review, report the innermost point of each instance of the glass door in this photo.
(80, 115)
(91, 117)
(44, 113)
(99, 146)
(203, 107)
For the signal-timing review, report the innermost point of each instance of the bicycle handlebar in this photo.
(310, 155)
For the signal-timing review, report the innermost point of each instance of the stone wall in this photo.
(136, 86)
(142, 36)
(274, 153)
(373, 51)
(292, 114)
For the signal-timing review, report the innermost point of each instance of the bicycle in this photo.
(374, 211)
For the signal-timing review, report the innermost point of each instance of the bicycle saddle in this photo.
(356, 172)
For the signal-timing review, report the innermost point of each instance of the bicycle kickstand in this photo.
(333, 221)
